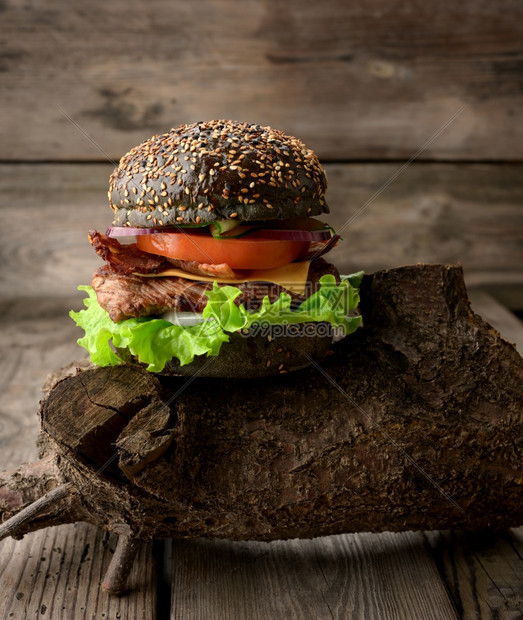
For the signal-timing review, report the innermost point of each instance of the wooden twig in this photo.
(116, 579)
(15, 523)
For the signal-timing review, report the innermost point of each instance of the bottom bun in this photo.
(251, 354)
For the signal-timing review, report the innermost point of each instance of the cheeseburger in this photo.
(225, 275)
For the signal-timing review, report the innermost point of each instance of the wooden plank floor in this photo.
(56, 573)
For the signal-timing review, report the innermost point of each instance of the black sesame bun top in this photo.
(216, 170)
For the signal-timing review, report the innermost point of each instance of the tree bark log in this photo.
(413, 422)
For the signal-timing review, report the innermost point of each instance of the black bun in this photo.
(216, 170)
(252, 356)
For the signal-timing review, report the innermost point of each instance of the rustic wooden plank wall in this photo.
(355, 80)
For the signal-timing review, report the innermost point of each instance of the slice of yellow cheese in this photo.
(292, 276)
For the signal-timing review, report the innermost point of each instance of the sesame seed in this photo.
(179, 218)
(198, 219)
(234, 214)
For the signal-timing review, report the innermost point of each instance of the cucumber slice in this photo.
(222, 226)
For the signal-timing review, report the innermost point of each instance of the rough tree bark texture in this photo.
(414, 422)
(25, 485)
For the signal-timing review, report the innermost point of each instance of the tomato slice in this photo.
(242, 253)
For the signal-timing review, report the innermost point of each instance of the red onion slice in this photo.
(256, 233)
(291, 235)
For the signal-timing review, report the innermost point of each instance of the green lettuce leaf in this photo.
(155, 341)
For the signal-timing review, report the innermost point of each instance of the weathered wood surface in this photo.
(355, 80)
(375, 576)
(483, 572)
(54, 573)
(215, 570)
(430, 213)
(57, 574)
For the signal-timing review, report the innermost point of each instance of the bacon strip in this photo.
(319, 248)
(125, 259)
(204, 269)
(128, 259)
